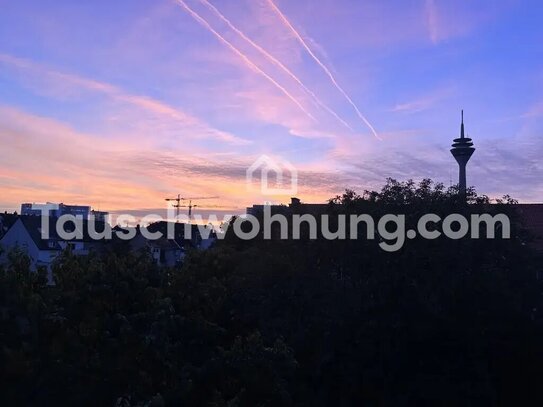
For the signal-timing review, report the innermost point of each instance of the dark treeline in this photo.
(285, 323)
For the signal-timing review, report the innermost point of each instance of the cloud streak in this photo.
(432, 20)
(275, 61)
(287, 23)
(244, 57)
(424, 102)
(60, 80)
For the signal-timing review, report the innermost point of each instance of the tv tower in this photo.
(462, 149)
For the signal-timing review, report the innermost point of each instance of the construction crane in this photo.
(190, 206)
(179, 198)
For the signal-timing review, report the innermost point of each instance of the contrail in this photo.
(325, 69)
(274, 60)
(249, 63)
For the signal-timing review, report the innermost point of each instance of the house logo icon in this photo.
(286, 176)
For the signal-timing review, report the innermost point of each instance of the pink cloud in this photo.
(46, 160)
(62, 84)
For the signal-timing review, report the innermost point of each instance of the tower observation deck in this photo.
(462, 150)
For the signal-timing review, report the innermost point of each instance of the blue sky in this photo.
(120, 104)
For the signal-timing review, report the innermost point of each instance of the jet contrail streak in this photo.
(274, 61)
(325, 69)
(249, 63)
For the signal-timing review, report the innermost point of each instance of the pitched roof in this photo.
(33, 224)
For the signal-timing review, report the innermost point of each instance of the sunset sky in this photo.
(120, 104)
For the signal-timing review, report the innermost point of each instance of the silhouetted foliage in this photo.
(270, 322)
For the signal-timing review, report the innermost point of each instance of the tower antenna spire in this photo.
(462, 125)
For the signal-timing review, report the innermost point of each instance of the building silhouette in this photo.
(58, 210)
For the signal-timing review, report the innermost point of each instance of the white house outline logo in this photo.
(269, 165)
